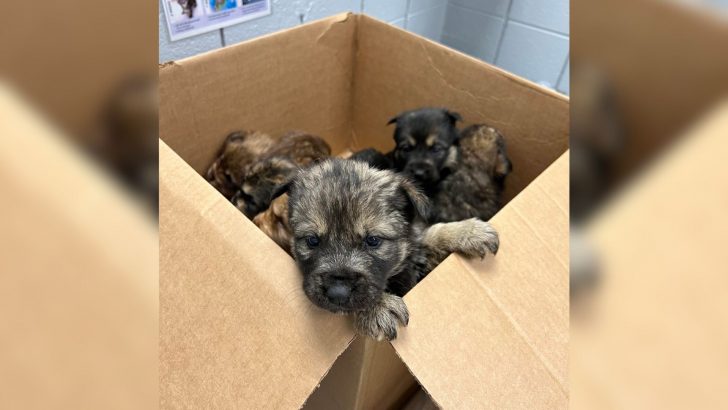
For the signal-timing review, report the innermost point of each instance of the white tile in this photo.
(428, 23)
(496, 7)
(284, 14)
(563, 86)
(532, 53)
(325, 8)
(475, 32)
(420, 5)
(552, 14)
(175, 50)
(387, 10)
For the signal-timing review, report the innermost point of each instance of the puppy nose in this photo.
(338, 293)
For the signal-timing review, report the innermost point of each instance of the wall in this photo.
(526, 37)
(424, 17)
(529, 38)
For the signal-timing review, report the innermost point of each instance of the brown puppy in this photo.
(274, 222)
(240, 150)
(474, 186)
(292, 151)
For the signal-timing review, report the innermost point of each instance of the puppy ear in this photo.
(503, 165)
(281, 189)
(453, 116)
(393, 120)
(416, 198)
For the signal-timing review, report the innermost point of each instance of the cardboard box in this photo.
(235, 326)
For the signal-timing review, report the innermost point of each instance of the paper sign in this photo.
(187, 18)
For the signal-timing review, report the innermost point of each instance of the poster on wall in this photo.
(187, 18)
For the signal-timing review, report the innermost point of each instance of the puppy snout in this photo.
(338, 293)
(420, 171)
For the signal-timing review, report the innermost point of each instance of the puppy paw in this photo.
(382, 321)
(478, 238)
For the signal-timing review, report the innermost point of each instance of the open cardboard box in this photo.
(235, 326)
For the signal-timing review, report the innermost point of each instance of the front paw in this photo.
(477, 238)
(381, 321)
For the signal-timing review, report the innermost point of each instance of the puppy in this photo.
(290, 152)
(374, 158)
(188, 7)
(240, 149)
(360, 240)
(426, 145)
(274, 222)
(475, 184)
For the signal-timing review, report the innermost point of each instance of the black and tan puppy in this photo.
(374, 158)
(463, 173)
(360, 241)
(426, 145)
(474, 186)
(277, 164)
(240, 149)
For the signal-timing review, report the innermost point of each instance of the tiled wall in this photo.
(527, 37)
(425, 17)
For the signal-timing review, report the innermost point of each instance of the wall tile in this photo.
(420, 5)
(284, 14)
(428, 23)
(325, 8)
(399, 23)
(532, 53)
(175, 50)
(473, 31)
(563, 86)
(552, 14)
(386, 10)
(495, 7)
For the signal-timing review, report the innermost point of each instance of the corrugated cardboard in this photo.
(235, 325)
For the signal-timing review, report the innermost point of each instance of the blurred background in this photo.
(526, 37)
(648, 81)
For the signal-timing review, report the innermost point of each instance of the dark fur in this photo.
(374, 158)
(240, 149)
(462, 173)
(473, 189)
(292, 151)
(341, 203)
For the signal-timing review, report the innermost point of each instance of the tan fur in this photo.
(274, 222)
(227, 172)
(382, 320)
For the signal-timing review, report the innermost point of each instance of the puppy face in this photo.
(261, 178)
(425, 141)
(351, 231)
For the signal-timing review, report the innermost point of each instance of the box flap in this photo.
(299, 77)
(397, 71)
(235, 325)
(496, 332)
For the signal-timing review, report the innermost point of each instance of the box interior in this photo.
(341, 78)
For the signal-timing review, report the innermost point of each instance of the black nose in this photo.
(338, 293)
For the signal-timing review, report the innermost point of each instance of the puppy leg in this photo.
(471, 237)
(382, 320)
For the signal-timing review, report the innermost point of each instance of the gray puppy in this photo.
(360, 240)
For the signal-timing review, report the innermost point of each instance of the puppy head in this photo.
(261, 178)
(351, 230)
(425, 143)
(488, 145)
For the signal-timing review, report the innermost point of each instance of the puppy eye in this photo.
(406, 148)
(372, 241)
(437, 148)
(312, 241)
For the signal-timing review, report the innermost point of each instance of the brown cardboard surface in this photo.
(298, 79)
(495, 333)
(396, 71)
(78, 276)
(667, 63)
(235, 325)
(654, 335)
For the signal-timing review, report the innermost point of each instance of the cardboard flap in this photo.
(234, 322)
(300, 81)
(495, 332)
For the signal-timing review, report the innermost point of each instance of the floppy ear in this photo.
(281, 189)
(503, 165)
(416, 198)
(393, 120)
(453, 116)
